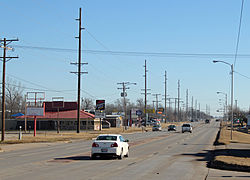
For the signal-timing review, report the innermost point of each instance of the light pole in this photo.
(225, 102)
(232, 82)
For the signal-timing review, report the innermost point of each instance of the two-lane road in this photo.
(153, 155)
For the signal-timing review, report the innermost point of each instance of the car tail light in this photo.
(95, 145)
(114, 145)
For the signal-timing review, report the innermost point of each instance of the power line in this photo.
(137, 53)
(242, 75)
(97, 40)
(238, 37)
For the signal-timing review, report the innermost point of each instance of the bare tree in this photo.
(87, 104)
(15, 100)
(140, 103)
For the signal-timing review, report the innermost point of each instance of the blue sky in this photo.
(160, 26)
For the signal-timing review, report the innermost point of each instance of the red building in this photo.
(65, 114)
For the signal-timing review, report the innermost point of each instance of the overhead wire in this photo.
(136, 53)
(239, 30)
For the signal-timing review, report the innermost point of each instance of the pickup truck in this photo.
(186, 128)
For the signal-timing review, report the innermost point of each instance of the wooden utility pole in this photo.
(178, 110)
(187, 105)
(165, 99)
(79, 71)
(5, 47)
(145, 91)
(124, 94)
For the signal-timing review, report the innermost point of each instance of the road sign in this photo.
(100, 104)
(35, 111)
(150, 111)
(99, 114)
(138, 112)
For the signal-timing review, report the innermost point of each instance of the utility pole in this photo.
(199, 111)
(5, 47)
(145, 91)
(156, 101)
(170, 105)
(178, 110)
(192, 108)
(196, 109)
(124, 94)
(236, 108)
(165, 99)
(187, 104)
(79, 71)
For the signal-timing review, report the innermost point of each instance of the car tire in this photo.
(127, 155)
(121, 156)
(93, 157)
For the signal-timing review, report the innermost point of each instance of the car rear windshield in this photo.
(186, 125)
(157, 125)
(106, 138)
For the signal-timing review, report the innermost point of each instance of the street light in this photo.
(218, 92)
(232, 72)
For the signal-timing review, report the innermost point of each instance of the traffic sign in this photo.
(99, 114)
(138, 112)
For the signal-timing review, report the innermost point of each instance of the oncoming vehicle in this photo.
(112, 145)
(186, 128)
(172, 127)
(207, 121)
(156, 127)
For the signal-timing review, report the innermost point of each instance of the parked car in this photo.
(172, 127)
(112, 145)
(186, 128)
(156, 127)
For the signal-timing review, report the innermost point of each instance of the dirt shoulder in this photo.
(231, 154)
(42, 138)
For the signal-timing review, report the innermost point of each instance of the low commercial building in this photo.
(65, 115)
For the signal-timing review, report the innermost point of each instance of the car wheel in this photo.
(93, 157)
(127, 154)
(121, 156)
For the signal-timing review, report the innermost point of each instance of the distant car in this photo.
(172, 127)
(156, 127)
(192, 120)
(111, 145)
(207, 121)
(186, 128)
(217, 120)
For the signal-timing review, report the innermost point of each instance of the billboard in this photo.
(35, 111)
(100, 105)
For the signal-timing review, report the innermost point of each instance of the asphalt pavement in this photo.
(153, 155)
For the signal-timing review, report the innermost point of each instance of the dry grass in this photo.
(52, 136)
(68, 136)
(240, 161)
(238, 137)
(232, 159)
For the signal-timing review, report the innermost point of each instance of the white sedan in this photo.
(113, 145)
